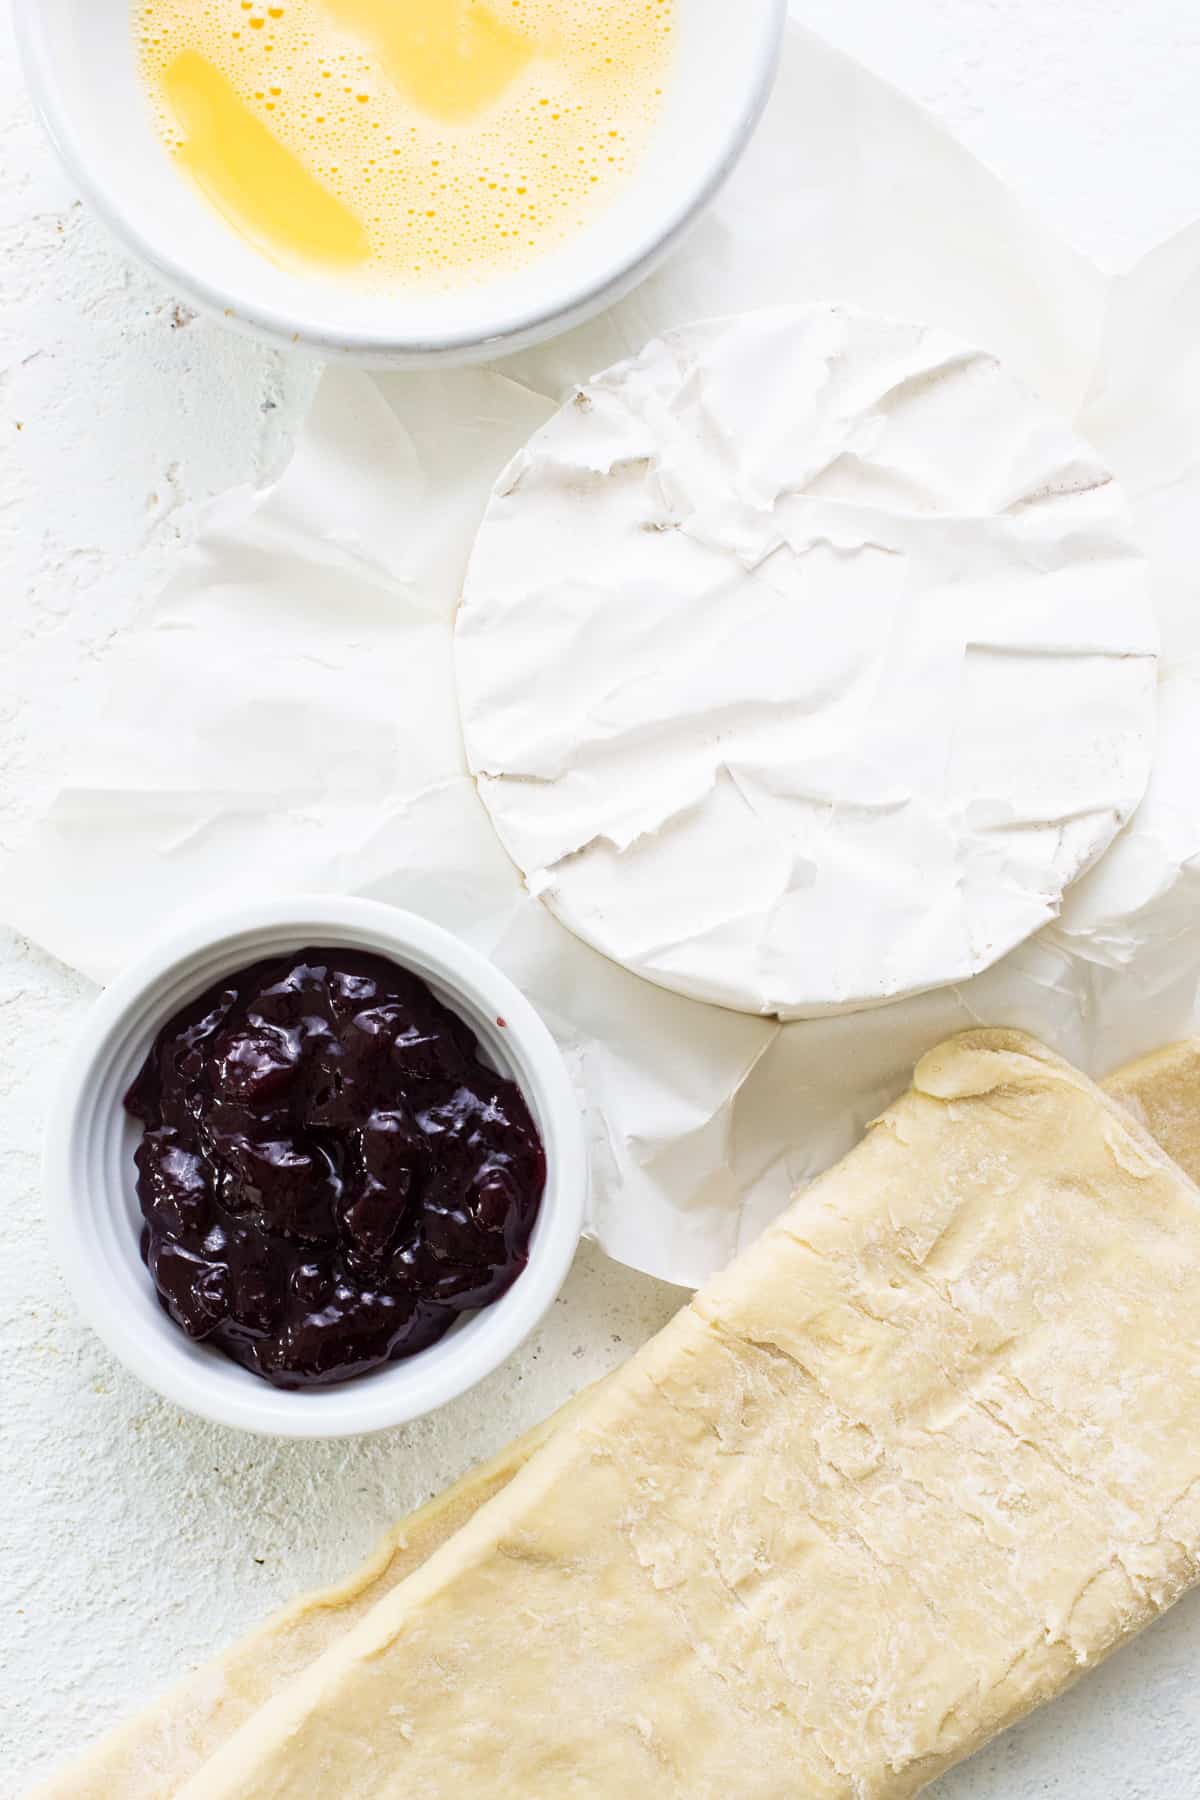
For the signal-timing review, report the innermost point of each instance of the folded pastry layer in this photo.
(1162, 1090)
(921, 1456)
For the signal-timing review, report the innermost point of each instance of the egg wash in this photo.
(426, 140)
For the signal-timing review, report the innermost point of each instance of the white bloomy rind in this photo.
(805, 660)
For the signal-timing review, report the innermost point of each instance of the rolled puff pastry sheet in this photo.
(925, 1453)
(1163, 1091)
(152, 1754)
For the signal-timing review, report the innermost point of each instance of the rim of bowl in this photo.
(135, 1006)
(492, 337)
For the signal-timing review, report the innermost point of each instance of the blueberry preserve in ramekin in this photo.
(330, 1173)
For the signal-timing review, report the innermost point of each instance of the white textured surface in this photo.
(134, 1540)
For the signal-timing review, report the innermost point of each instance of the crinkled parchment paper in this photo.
(283, 715)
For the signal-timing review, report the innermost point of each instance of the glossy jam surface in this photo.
(428, 140)
(329, 1174)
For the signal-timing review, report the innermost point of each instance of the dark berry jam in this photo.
(329, 1175)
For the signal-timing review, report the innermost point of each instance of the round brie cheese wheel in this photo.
(804, 660)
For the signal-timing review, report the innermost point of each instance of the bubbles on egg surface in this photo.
(445, 198)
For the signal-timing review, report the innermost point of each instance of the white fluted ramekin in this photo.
(92, 1204)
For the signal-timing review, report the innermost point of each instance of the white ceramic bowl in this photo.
(80, 64)
(92, 1202)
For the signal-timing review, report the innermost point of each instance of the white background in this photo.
(134, 1540)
